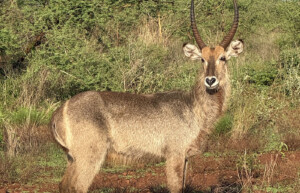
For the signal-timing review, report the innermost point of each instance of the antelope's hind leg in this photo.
(85, 163)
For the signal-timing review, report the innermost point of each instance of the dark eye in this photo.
(223, 58)
(202, 60)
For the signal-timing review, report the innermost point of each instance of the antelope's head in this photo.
(214, 59)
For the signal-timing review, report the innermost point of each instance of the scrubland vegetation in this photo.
(51, 50)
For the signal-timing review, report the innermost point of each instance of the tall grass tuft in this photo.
(25, 129)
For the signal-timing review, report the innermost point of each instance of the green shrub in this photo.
(224, 125)
(262, 74)
(8, 42)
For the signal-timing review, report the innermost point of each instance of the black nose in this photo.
(210, 80)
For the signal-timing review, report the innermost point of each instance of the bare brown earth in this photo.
(205, 174)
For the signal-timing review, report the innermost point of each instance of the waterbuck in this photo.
(171, 125)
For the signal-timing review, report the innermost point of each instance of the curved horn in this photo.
(197, 36)
(228, 38)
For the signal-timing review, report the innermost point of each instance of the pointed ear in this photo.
(191, 52)
(234, 49)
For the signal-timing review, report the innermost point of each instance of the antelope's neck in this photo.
(208, 107)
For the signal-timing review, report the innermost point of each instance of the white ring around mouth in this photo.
(212, 87)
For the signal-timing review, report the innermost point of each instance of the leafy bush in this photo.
(263, 76)
(8, 42)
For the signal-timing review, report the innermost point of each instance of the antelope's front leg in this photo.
(175, 166)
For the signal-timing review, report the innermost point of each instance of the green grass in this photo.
(116, 169)
(278, 188)
(29, 115)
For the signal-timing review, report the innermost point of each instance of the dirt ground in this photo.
(205, 174)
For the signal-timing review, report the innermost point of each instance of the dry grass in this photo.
(269, 169)
(250, 175)
(150, 33)
(20, 139)
(245, 171)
